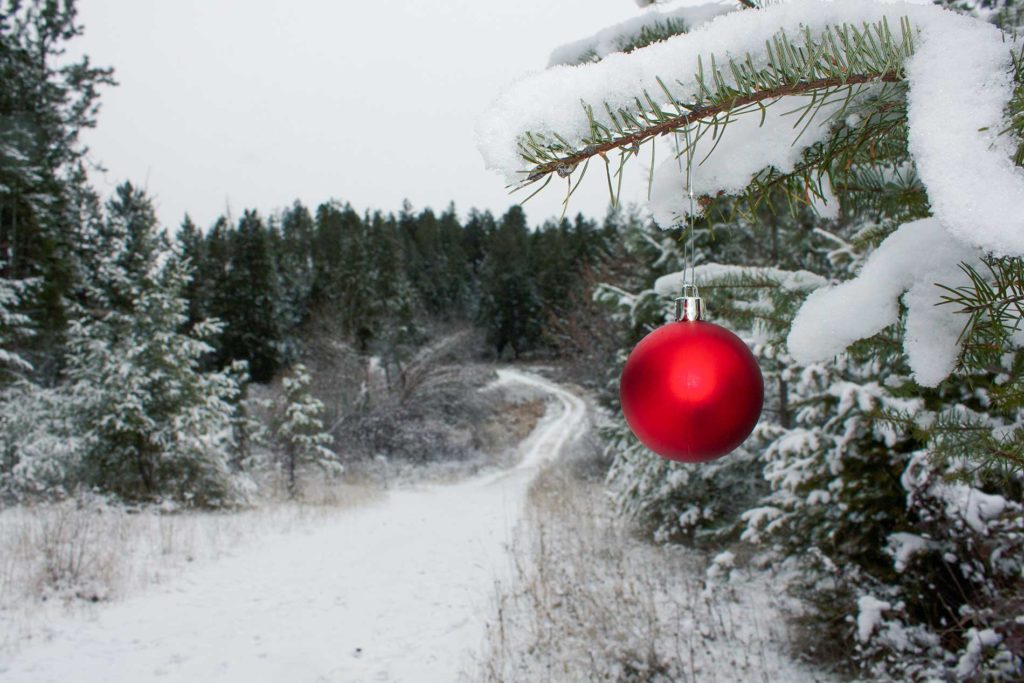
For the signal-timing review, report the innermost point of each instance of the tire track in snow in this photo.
(397, 591)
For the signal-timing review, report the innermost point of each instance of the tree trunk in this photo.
(290, 467)
(785, 419)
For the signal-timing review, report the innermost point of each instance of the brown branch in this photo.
(669, 125)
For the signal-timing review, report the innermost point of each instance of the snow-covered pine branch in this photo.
(774, 92)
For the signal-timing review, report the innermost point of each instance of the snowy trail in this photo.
(397, 591)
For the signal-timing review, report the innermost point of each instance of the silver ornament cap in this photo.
(689, 306)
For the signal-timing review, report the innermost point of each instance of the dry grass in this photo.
(65, 557)
(587, 601)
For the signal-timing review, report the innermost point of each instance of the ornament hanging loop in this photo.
(691, 261)
(689, 306)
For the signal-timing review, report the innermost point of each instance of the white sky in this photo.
(255, 103)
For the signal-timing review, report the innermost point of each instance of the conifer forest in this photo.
(305, 441)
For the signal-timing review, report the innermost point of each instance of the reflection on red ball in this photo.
(691, 391)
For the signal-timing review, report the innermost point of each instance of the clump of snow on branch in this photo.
(612, 38)
(906, 264)
(964, 161)
(869, 616)
(793, 280)
(904, 546)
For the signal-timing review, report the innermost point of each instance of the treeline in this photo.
(384, 279)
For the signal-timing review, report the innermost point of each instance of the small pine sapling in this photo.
(300, 431)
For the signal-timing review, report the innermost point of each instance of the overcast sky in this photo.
(254, 103)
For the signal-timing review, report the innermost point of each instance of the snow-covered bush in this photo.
(39, 448)
(152, 425)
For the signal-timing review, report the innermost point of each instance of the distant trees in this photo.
(510, 302)
(385, 279)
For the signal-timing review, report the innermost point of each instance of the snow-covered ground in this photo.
(398, 590)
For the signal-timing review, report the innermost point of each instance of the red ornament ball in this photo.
(691, 391)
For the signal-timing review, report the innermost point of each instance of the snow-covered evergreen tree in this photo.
(152, 425)
(300, 431)
(46, 100)
(509, 302)
(884, 476)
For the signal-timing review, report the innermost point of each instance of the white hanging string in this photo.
(689, 191)
(689, 258)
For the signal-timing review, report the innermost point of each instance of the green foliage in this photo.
(510, 303)
(46, 100)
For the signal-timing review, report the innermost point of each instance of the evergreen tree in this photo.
(295, 264)
(398, 330)
(193, 249)
(46, 100)
(886, 478)
(475, 235)
(343, 280)
(152, 425)
(299, 430)
(250, 301)
(509, 302)
(454, 275)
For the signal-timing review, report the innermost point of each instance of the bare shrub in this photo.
(431, 411)
(75, 546)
